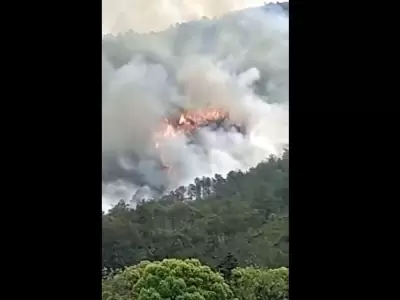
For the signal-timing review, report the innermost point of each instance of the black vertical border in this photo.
(54, 164)
(310, 123)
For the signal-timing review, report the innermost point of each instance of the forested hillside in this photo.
(200, 36)
(245, 214)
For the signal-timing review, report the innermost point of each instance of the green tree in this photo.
(168, 279)
(119, 284)
(227, 265)
(260, 284)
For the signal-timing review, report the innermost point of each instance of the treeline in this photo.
(242, 218)
(189, 280)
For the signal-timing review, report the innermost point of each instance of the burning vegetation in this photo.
(186, 124)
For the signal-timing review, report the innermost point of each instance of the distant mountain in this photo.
(284, 5)
(199, 36)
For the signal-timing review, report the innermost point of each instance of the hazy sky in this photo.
(156, 15)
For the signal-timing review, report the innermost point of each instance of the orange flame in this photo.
(187, 123)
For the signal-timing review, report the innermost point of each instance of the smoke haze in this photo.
(238, 62)
(156, 15)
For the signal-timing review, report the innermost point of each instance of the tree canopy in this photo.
(175, 279)
(260, 284)
(168, 279)
(244, 215)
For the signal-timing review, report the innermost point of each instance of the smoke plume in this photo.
(237, 63)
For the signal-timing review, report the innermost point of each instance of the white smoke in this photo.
(156, 15)
(238, 62)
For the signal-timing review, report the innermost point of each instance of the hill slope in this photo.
(245, 214)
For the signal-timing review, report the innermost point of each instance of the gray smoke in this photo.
(238, 62)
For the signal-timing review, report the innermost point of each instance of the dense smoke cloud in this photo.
(238, 63)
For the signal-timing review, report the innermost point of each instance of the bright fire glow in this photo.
(186, 124)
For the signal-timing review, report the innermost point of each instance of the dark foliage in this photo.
(227, 265)
(245, 214)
